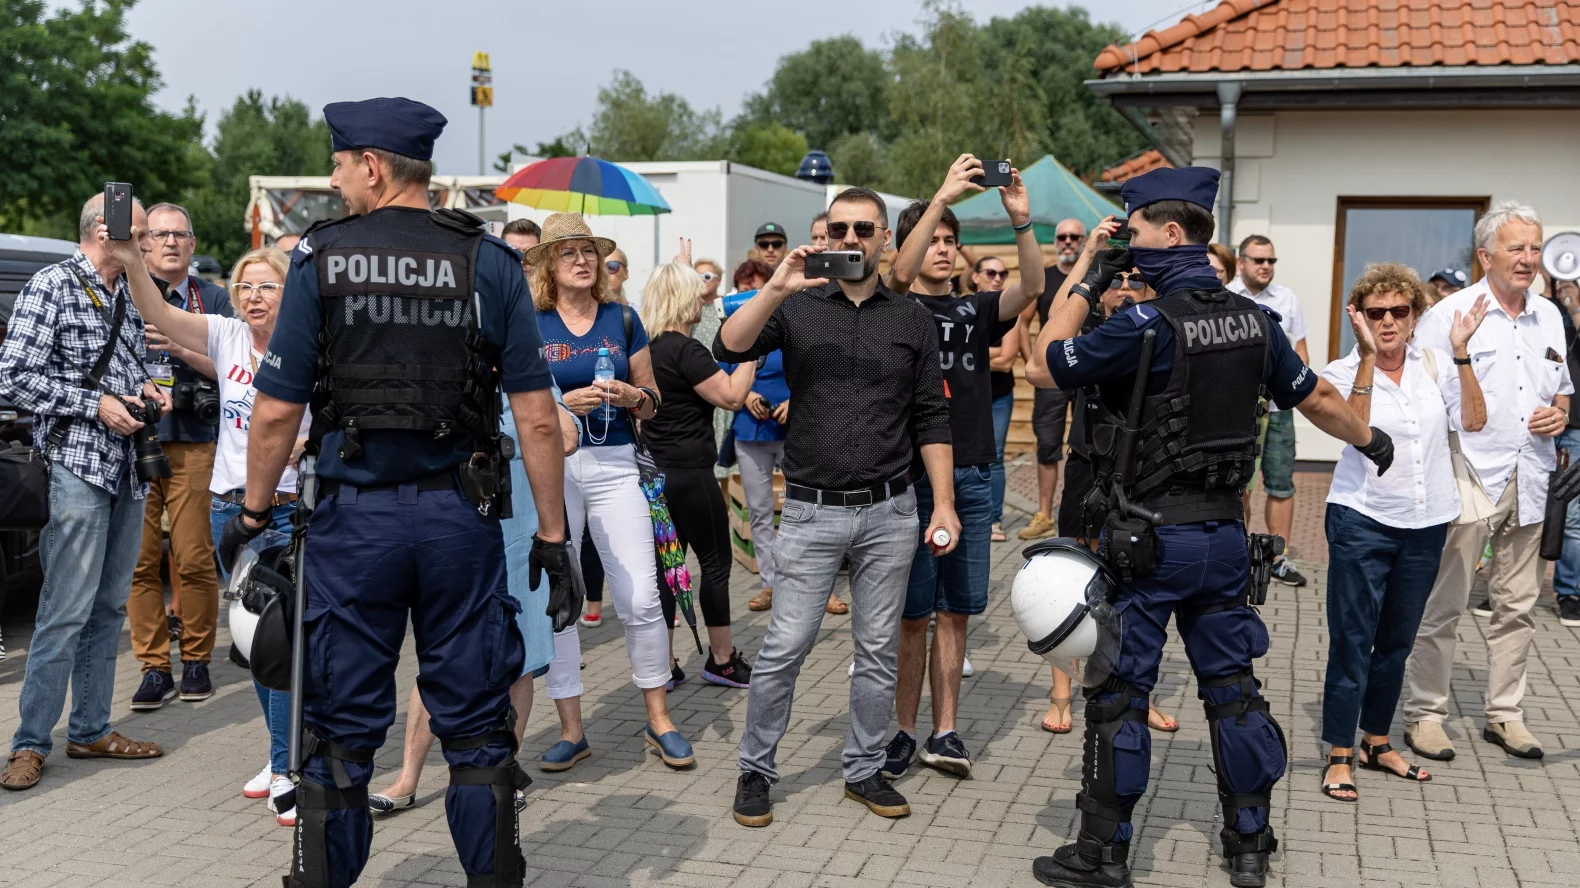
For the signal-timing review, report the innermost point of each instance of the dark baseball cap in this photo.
(773, 228)
(1452, 276)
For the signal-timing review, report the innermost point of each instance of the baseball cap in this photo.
(1452, 276)
(773, 228)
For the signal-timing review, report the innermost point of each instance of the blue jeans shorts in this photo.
(958, 582)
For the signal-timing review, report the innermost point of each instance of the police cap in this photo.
(1197, 185)
(397, 125)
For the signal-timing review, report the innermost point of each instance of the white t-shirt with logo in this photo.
(235, 364)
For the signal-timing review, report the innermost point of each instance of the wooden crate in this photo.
(740, 518)
(743, 552)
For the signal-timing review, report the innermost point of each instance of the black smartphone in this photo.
(994, 174)
(839, 265)
(1120, 238)
(118, 210)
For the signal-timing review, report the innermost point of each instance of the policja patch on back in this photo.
(363, 271)
(1235, 330)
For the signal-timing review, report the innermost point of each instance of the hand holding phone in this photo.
(118, 210)
(995, 173)
(838, 265)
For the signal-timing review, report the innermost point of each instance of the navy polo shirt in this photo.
(290, 367)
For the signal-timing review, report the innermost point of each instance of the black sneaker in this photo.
(753, 805)
(1482, 608)
(1067, 868)
(1284, 572)
(157, 687)
(195, 685)
(676, 675)
(897, 758)
(173, 626)
(876, 793)
(947, 754)
(734, 673)
(1569, 610)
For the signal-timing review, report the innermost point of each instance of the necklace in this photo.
(1391, 369)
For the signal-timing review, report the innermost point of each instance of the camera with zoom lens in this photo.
(150, 457)
(199, 398)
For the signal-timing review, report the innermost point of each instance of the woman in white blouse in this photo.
(1385, 534)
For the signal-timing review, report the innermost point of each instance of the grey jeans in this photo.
(881, 540)
(758, 459)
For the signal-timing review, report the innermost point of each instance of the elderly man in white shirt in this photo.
(1255, 280)
(1518, 355)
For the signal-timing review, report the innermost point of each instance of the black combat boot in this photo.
(1248, 857)
(1088, 862)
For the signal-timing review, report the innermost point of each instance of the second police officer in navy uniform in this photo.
(400, 327)
(1212, 354)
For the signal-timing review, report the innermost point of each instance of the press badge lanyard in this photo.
(103, 312)
(163, 371)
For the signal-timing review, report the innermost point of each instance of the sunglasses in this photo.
(1125, 281)
(770, 245)
(864, 230)
(1400, 312)
(993, 273)
(708, 277)
(614, 266)
(1067, 237)
(1261, 260)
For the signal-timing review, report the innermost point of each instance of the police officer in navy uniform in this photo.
(1212, 354)
(400, 327)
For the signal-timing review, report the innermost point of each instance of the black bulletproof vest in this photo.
(400, 348)
(1197, 446)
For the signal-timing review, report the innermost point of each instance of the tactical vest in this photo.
(1197, 449)
(400, 348)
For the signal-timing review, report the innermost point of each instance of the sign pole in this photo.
(483, 98)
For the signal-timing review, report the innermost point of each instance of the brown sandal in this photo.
(114, 746)
(1068, 723)
(22, 770)
(762, 602)
(835, 606)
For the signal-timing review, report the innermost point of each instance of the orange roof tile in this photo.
(1145, 162)
(1285, 35)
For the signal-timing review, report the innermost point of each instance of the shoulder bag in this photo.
(1474, 504)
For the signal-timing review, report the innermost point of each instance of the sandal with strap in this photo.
(1328, 789)
(114, 745)
(22, 770)
(1068, 723)
(1414, 774)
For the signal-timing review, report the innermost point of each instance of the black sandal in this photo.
(1414, 774)
(1328, 789)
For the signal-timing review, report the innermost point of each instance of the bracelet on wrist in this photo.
(260, 517)
(1463, 362)
(1361, 390)
(1020, 228)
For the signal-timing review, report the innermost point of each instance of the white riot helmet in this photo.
(1060, 600)
(253, 581)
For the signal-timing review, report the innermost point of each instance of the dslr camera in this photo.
(199, 398)
(150, 457)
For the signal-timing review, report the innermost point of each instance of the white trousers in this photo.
(603, 495)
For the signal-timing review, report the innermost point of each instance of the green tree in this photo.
(557, 148)
(633, 125)
(76, 110)
(830, 89)
(768, 146)
(937, 100)
(860, 159)
(255, 137)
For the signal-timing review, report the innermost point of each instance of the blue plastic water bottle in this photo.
(604, 369)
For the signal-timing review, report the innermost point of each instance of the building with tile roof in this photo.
(1356, 131)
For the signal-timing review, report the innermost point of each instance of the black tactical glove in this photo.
(233, 536)
(1565, 485)
(1379, 450)
(566, 588)
(1106, 266)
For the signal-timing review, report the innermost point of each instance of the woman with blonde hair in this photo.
(681, 439)
(581, 322)
(236, 345)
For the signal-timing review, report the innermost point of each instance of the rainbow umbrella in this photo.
(585, 185)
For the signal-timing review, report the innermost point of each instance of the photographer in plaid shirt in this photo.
(58, 330)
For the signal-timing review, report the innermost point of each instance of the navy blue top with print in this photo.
(572, 359)
(290, 368)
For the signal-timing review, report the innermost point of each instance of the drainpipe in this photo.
(1228, 96)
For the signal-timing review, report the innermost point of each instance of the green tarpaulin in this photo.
(1056, 194)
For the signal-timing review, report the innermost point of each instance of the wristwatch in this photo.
(1463, 362)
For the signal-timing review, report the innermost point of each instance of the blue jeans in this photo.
(958, 582)
(276, 704)
(88, 550)
(1003, 410)
(1566, 575)
(1379, 578)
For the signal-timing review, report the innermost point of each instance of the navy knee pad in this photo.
(310, 864)
(1118, 750)
(503, 780)
(1249, 753)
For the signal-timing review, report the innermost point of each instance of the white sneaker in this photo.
(282, 801)
(852, 671)
(965, 668)
(258, 787)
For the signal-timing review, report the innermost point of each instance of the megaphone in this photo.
(736, 300)
(1561, 256)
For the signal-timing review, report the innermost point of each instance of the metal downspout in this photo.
(1228, 96)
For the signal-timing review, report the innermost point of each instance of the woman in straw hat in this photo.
(580, 322)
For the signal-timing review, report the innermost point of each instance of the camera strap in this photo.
(96, 374)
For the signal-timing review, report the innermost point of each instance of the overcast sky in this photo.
(548, 59)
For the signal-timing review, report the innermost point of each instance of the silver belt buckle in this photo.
(859, 498)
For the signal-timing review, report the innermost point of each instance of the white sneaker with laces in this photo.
(282, 795)
(965, 668)
(258, 787)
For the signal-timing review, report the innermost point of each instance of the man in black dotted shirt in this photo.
(863, 364)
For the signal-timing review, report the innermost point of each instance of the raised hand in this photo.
(1017, 202)
(958, 180)
(1364, 340)
(1465, 325)
(791, 277)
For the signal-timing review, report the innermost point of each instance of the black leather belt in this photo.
(239, 497)
(847, 497)
(444, 480)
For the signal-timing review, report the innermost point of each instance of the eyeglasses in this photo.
(1400, 312)
(1261, 260)
(569, 255)
(864, 230)
(266, 289)
(770, 245)
(709, 277)
(993, 273)
(1067, 237)
(614, 266)
(168, 234)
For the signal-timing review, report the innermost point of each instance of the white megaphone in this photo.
(1561, 256)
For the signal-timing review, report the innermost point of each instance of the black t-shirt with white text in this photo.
(967, 328)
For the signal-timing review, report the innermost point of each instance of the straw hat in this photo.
(561, 227)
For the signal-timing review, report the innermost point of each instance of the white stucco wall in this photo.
(1292, 167)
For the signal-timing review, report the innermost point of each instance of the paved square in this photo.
(623, 819)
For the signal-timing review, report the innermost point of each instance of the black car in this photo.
(20, 258)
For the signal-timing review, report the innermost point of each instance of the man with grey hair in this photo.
(1518, 355)
(188, 434)
(74, 356)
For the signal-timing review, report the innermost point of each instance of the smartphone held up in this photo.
(995, 174)
(838, 265)
(118, 210)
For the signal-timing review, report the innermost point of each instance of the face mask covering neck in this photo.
(1184, 267)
